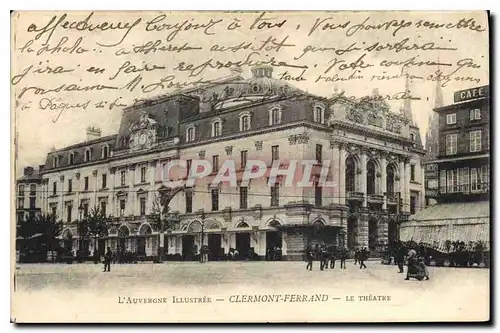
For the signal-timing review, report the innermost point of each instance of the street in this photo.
(373, 293)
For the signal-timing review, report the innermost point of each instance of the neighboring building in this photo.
(459, 179)
(375, 159)
(28, 194)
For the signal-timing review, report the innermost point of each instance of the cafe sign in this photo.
(473, 93)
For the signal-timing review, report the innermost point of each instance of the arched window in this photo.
(319, 113)
(104, 151)
(216, 128)
(88, 155)
(71, 158)
(412, 136)
(275, 116)
(390, 179)
(245, 121)
(190, 133)
(370, 177)
(350, 175)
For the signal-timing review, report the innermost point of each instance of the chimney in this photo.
(93, 133)
(28, 171)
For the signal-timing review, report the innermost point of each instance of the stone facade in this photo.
(374, 162)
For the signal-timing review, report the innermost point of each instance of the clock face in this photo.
(142, 139)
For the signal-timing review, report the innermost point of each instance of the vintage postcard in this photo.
(250, 166)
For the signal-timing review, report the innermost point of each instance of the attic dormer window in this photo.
(88, 155)
(190, 133)
(104, 151)
(319, 114)
(412, 136)
(55, 161)
(71, 158)
(245, 121)
(275, 116)
(216, 128)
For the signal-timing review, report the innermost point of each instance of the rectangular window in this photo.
(475, 141)
(451, 181)
(86, 184)
(275, 195)
(215, 199)
(69, 209)
(32, 202)
(85, 209)
(475, 179)
(475, 114)
(142, 206)
(244, 154)
(485, 177)
(103, 208)
(32, 189)
(275, 153)
(70, 185)
(243, 197)
(216, 127)
(143, 174)
(122, 207)
(413, 204)
(104, 181)
(451, 119)
(412, 172)
(54, 188)
(318, 195)
(188, 167)
(465, 180)
(451, 144)
(21, 191)
(319, 153)
(20, 203)
(442, 181)
(189, 201)
(54, 210)
(275, 116)
(215, 163)
(122, 178)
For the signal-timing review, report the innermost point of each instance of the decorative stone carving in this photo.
(201, 154)
(292, 140)
(303, 138)
(393, 123)
(373, 153)
(61, 178)
(229, 150)
(352, 149)
(94, 173)
(258, 145)
(77, 175)
(355, 115)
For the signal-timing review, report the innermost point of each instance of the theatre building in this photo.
(459, 178)
(373, 156)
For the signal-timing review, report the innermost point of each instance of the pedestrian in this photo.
(332, 257)
(400, 258)
(107, 260)
(412, 264)
(356, 256)
(310, 258)
(363, 255)
(343, 257)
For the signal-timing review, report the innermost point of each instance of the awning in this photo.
(464, 222)
(35, 236)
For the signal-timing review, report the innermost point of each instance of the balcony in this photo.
(375, 198)
(355, 196)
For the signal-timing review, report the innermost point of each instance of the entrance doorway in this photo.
(274, 245)
(351, 233)
(101, 247)
(392, 233)
(372, 234)
(243, 244)
(188, 247)
(214, 246)
(141, 246)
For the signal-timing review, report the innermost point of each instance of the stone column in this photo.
(362, 232)
(341, 175)
(152, 187)
(61, 200)
(407, 185)
(383, 180)
(132, 195)
(363, 183)
(335, 172)
(402, 182)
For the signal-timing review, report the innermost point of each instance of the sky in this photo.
(55, 62)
